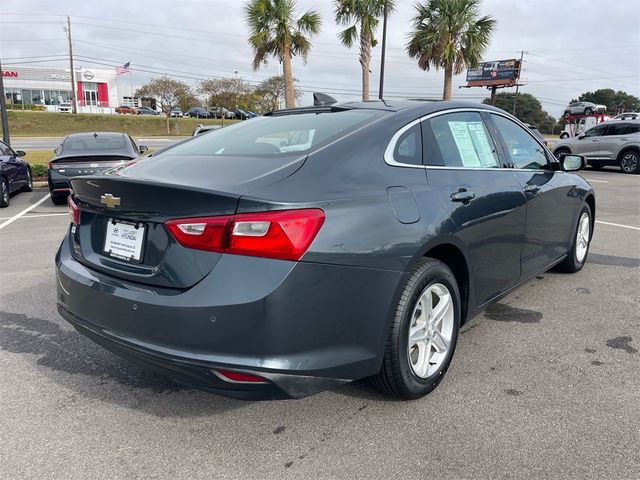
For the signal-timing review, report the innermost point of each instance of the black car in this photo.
(197, 112)
(88, 154)
(15, 174)
(146, 111)
(240, 114)
(315, 246)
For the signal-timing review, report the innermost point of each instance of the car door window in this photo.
(5, 150)
(633, 128)
(408, 148)
(617, 129)
(459, 140)
(523, 149)
(597, 131)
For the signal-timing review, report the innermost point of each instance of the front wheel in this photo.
(561, 153)
(588, 111)
(577, 256)
(564, 135)
(423, 332)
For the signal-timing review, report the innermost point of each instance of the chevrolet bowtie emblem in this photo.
(109, 200)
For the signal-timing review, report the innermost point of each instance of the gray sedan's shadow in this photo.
(70, 357)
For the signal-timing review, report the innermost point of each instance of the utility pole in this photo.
(3, 111)
(513, 110)
(74, 100)
(384, 47)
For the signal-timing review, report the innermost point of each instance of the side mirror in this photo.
(143, 148)
(573, 163)
(21, 153)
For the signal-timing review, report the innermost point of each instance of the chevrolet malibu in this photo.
(315, 246)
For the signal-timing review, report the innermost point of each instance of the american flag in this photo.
(120, 69)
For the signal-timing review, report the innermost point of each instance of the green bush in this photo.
(39, 170)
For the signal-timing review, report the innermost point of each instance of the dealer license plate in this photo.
(124, 240)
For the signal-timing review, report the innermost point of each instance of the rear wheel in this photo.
(630, 162)
(5, 199)
(29, 186)
(564, 135)
(423, 333)
(581, 241)
(588, 111)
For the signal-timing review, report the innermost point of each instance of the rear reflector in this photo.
(238, 377)
(74, 211)
(282, 234)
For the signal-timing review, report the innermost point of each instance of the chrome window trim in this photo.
(388, 153)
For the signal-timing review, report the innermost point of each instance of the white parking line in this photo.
(597, 181)
(38, 215)
(26, 210)
(605, 223)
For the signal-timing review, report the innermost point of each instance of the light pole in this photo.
(237, 87)
(384, 48)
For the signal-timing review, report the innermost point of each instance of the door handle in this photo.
(463, 196)
(532, 189)
(623, 139)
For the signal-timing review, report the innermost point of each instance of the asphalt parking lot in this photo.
(545, 384)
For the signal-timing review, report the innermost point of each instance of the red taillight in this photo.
(238, 377)
(53, 166)
(284, 234)
(74, 211)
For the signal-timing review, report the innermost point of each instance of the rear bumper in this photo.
(303, 327)
(58, 183)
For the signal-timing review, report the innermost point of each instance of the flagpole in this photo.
(131, 86)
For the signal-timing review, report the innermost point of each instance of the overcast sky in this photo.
(571, 46)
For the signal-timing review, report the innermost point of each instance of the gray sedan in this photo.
(616, 143)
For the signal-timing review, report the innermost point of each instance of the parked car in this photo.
(219, 112)
(147, 111)
(205, 128)
(127, 109)
(584, 108)
(176, 112)
(65, 107)
(627, 116)
(252, 114)
(319, 245)
(83, 154)
(15, 174)
(197, 112)
(616, 142)
(536, 132)
(239, 114)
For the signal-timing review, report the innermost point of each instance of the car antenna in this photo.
(320, 99)
(95, 135)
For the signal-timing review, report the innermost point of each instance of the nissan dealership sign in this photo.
(9, 73)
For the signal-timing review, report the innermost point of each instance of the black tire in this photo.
(29, 186)
(588, 111)
(5, 198)
(561, 152)
(59, 199)
(564, 135)
(630, 162)
(396, 377)
(572, 264)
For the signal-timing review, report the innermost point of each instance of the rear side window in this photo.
(634, 128)
(523, 150)
(618, 129)
(409, 147)
(276, 135)
(459, 140)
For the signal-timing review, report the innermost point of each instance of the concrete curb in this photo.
(40, 184)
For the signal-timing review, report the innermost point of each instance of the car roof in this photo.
(419, 106)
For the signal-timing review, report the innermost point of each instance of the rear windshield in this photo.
(94, 143)
(276, 135)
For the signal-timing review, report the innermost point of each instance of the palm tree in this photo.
(275, 31)
(361, 17)
(448, 34)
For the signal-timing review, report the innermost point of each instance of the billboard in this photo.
(501, 72)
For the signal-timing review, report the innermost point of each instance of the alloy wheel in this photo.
(582, 237)
(430, 330)
(629, 162)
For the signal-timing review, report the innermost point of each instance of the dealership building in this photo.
(48, 88)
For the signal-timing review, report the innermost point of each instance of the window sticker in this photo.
(464, 142)
(482, 144)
